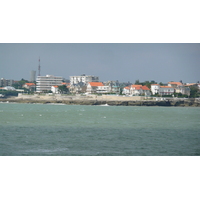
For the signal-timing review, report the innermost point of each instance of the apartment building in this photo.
(83, 79)
(44, 83)
(5, 82)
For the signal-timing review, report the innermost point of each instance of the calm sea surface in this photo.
(71, 130)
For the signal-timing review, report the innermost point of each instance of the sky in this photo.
(161, 62)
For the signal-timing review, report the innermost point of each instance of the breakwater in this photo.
(102, 100)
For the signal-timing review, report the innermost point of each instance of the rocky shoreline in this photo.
(88, 101)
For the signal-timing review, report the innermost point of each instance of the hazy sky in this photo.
(109, 61)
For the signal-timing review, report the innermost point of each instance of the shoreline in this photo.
(104, 101)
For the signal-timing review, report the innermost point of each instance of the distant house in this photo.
(126, 90)
(29, 86)
(155, 89)
(162, 90)
(166, 90)
(76, 89)
(136, 90)
(55, 89)
(191, 84)
(180, 88)
(174, 84)
(183, 90)
(97, 87)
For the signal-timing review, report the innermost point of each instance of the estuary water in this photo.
(77, 130)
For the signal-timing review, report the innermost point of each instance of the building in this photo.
(162, 90)
(83, 79)
(32, 76)
(183, 90)
(166, 90)
(96, 87)
(5, 82)
(55, 89)
(155, 88)
(9, 88)
(180, 88)
(126, 90)
(113, 86)
(174, 84)
(44, 83)
(136, 90)
(29, 86)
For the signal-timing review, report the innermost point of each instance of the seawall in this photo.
(101, 100)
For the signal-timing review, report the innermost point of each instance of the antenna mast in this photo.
(39, 67)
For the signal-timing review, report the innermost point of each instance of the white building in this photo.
(9, 88)
(55, 89)
(162, 90)
(137, 90)
(4, 82)
(32, 76)
(166, 90)
(29, 86)
(84, 79)
(44, 83)
(97, 87)
(126, 90)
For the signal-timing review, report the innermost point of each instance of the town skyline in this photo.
(110, 61)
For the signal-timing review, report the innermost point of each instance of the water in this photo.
(72, 130)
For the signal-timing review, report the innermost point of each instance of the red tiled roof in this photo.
(96, 84)
(29, 84)
(191, 84)
(175, 83)
(145, 87)
(136, 85)
(166, 87)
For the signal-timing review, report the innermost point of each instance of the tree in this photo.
(194, 91)
(63, 89)
(20, 83)
(137, 82)
(161, 83)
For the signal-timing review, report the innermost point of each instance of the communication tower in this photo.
(39, 67)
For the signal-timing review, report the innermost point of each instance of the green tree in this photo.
(63, 89)
(161, 83)
(137, 82)
(194, 91)
(20, 83)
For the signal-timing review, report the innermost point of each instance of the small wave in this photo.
(47, 150)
